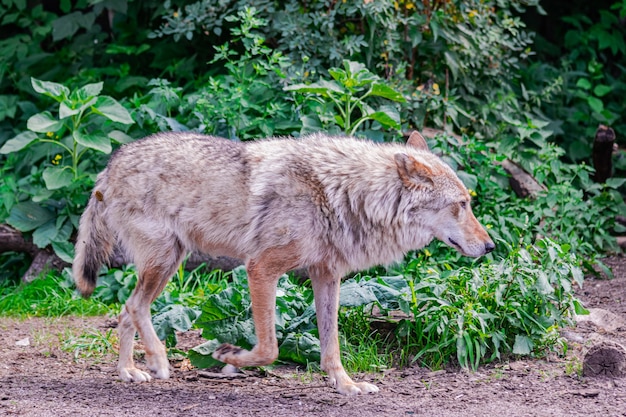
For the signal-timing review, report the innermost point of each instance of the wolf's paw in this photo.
(239, 357)
(356, 388)
(134, 375)
(229, 354)
(159, 366)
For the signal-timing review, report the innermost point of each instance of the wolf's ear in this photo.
(412, 172)
(417, 141)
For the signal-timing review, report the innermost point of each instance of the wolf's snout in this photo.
(489, 247)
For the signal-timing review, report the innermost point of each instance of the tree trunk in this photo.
(603, 153)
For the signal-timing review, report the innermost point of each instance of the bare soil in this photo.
(42, 379)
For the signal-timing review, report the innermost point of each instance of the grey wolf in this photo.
(329, 204)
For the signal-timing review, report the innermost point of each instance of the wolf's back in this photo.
(94, 246)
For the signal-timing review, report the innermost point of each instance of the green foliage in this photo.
(50, 199)
(458, 64)
(227, 318)
(49, 296)
(483, 312)
(589, 64)
(91, 344)
(341, 104)
(245, 103)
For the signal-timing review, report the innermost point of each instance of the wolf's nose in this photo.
(489, 247)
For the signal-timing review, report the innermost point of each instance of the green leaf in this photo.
(387, 116)
(452, 62)
(583, 83)
(355, 294)
(66, 111)
(470, 180)
(322, 87)
(200, 356)
(615, 182)
(27, 216)
(87, 91)
(67, 25)
(300, 348)
(383, 90)
(97, 142)
(601, 90)
(174, 317)
(57, 177)
(595, 104)
(579, 308)
(523, 345)
(434, 26)
(111, 109)
(45, 234)
(43, 123)
(50, 89)
(120, 137)
(18, 143)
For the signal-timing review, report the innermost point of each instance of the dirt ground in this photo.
(41, 379)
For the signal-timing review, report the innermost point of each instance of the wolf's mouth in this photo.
(453, 243)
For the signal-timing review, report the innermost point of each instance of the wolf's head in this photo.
(439, 201)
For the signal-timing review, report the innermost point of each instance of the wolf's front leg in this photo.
(263, 274)
(326, 291)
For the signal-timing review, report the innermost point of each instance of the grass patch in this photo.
(52, 295)
(92, 344)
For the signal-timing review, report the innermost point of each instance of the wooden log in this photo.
(603, 153)
(12, 240)
(605, 359)
(524, 184)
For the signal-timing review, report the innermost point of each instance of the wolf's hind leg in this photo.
(263, 274)
(153, 276)
(326, 291)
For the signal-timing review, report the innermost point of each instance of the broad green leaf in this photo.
(523, 345)
(66, 111)
(174, 318)
(300, 348)
(353, 68)
(595, 104)
(386, 116)
(615, 182)
(322, 87)
(452, 62)
(470, 180)
(111, 109)
(200, 356)
(542, 284)
(383, 90)
(583, 83)
(602, 90)
(50, 89)
(45, 234)
(355, 294)
(338, 74)
(43, 122)
(120, 137)
(579, 308)
(27, 216)
(434, 26)
(87, 91)
(67, 25)
(57, 177)
(19, 142)
(98, 142)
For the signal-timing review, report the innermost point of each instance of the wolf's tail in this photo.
(94, 245)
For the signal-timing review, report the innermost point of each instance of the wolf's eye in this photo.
(463, 205)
